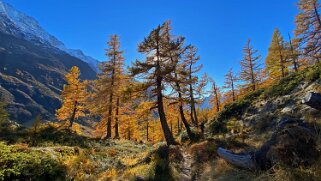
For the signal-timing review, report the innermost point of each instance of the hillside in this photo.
(244, 126)
(32, 77)
(161, 107)
(251, 121)
(32, 69)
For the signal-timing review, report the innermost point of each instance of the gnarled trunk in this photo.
(167, 132)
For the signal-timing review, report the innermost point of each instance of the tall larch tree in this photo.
(179, 74)
(144, 116)
(250, 67)
(191, 58)
(73, 97)
(107, 89)
(114, 67)
(294, 53)
(230, 80)
(277, 61)
(308, 27)
(155, 69)
(216, 96)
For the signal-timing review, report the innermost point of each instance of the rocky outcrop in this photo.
(293, 144)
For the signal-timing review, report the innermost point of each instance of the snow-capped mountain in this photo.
(19, 24)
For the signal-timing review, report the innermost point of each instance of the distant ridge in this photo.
(33, 64)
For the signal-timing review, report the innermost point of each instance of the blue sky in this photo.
(218, 28)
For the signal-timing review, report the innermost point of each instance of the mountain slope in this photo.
(31, 30)
(31, 69)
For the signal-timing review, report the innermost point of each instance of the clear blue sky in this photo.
(218, 28)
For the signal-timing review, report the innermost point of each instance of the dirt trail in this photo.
(186, 166)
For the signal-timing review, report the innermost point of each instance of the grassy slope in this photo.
(64, 155)
(253, 119)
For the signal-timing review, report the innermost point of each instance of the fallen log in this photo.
(293, 144)
(239, 160)
(313, 100)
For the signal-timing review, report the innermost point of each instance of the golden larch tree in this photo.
(277, 61)
(216, 96)
(74, 96)
(108, 87)
(250, 67)
(230, 83)
(155, 70)
(308, 27)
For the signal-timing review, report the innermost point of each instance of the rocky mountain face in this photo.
(30, 29)
(32, 66)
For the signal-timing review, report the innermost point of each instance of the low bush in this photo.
(313, 73)
(21, 163)
(284, 86)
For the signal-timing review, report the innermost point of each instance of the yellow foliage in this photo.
(73, 96)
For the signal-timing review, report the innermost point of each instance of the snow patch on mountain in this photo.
(32, 30)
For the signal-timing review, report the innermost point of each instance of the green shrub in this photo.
(284, 86)
(238, 107)
(218, 127)
(24, 164)
(313, 73)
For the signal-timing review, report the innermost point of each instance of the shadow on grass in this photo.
(46, 136)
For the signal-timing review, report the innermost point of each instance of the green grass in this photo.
(21, 163)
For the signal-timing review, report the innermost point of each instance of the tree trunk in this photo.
(193, 112)
(167, 133)
(110, 108)
(193, 109)
(253, 80)
(233, 91)
(282, 61)
(181, 110)
(178, 127)
(242, 161)
(217, 98)
(117, 120)
(147, 127)
(294, 57)
(108, 135)
(72, 118)
(313, 100)
(317, 14)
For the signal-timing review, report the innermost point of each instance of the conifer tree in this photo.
(191, 59)
(308, 27)
(73, 97)
(277, 60)
(250, 67)
(230, 80)
(216, 96)
(294, 53)
(143, 114)
(108, 87)
(179, 74)
(155, 70)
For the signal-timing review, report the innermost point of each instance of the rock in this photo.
(293, 144)
(287, 110)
